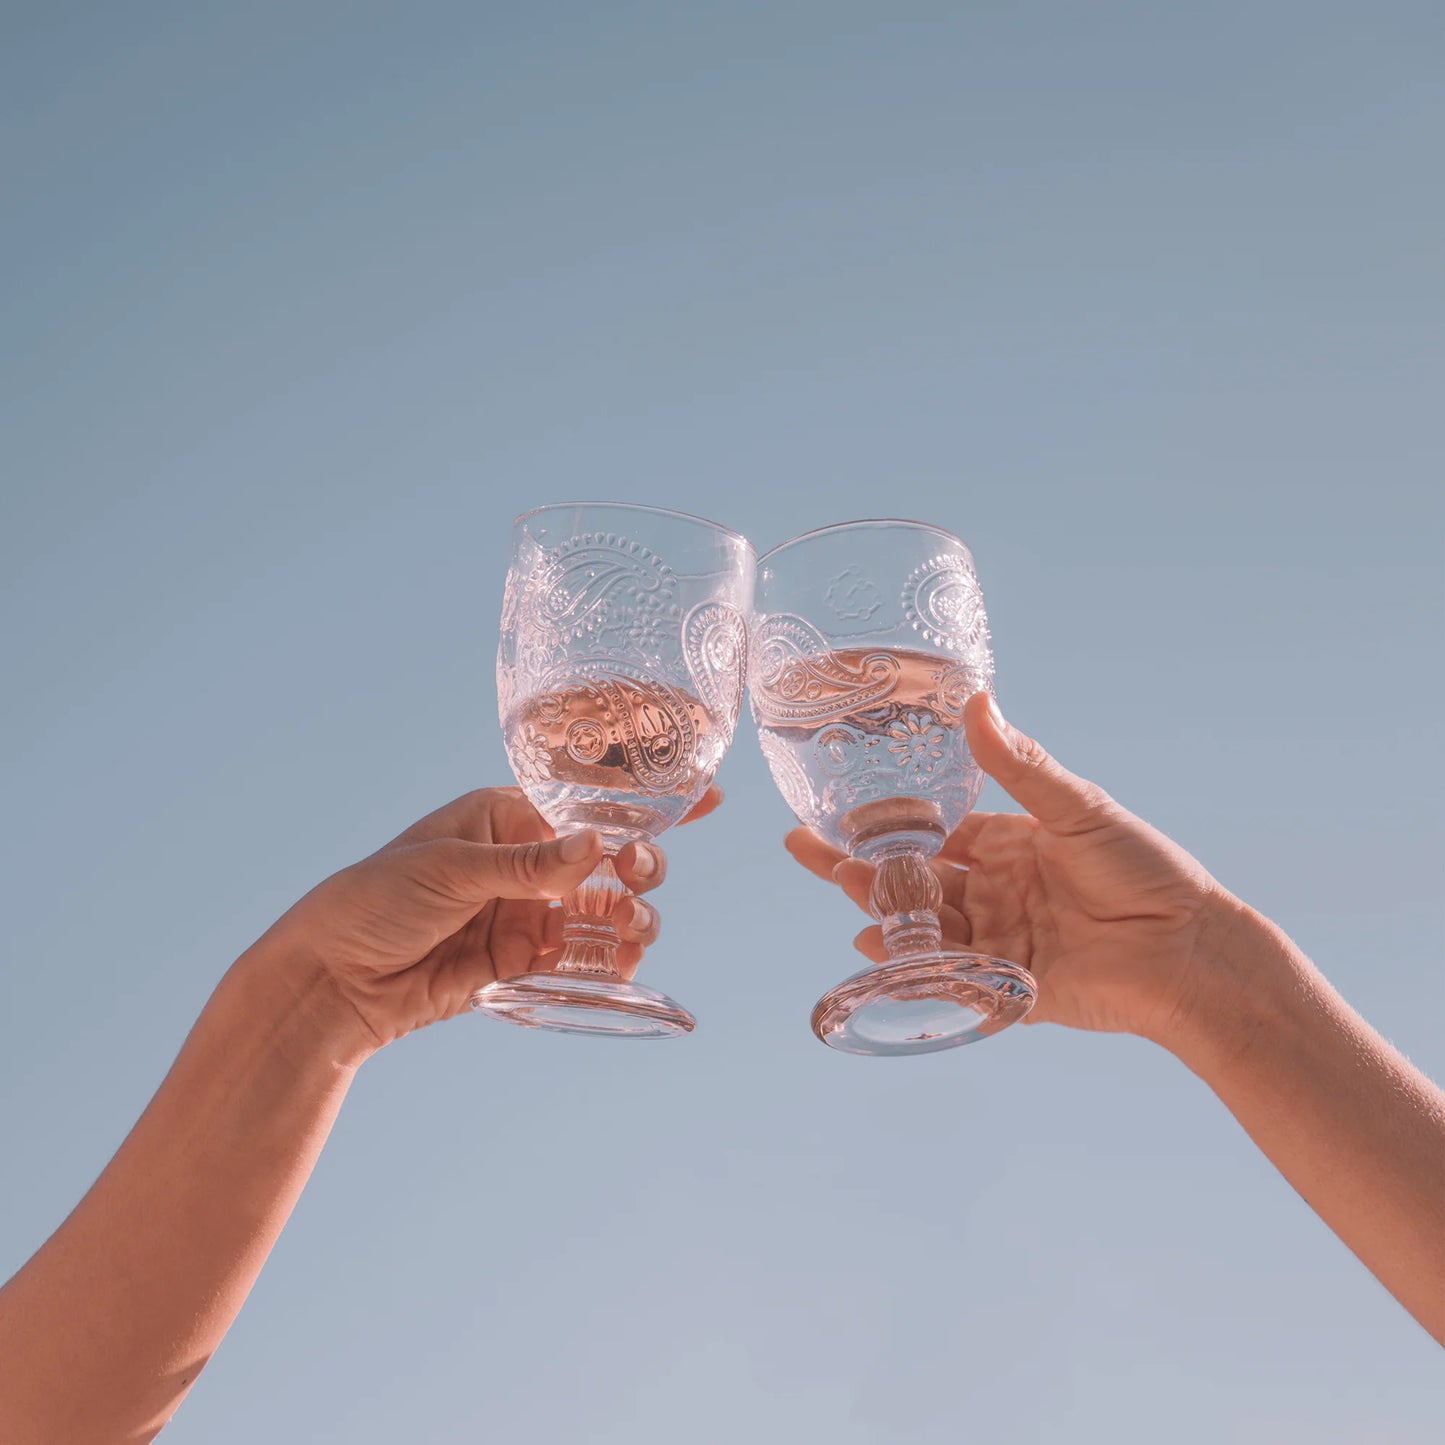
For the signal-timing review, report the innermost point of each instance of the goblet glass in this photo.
(868, 639)
(620, 674)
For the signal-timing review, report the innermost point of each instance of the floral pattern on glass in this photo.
(530, 756)
(916, 743)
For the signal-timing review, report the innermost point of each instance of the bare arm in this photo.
(1354, 1126)
(1126, 932)
(108, 1325)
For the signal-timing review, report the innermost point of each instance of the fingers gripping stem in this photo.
(905, 899)
(589, 937)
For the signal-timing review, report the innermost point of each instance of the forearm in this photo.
(105, 1329)
(1353, 1126)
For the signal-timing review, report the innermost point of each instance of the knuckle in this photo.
(480, 802)
(522, 862)
(473, 804)
(1030, 752)
(431, 869)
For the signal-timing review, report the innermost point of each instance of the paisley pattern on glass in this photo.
(634, 696)
(598, 593)
(859, 694)
(600, 709)
(796, 678)
(841, 728)
(943, 601)
(959, 684)
(788, 777)
(597, 583)
(891, 752)
(619, 678)
(715, 646)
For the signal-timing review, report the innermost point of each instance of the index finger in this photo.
(704, 805)
(485, 815)
(816, 855)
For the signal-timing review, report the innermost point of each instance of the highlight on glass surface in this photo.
(868, 639)
(620, 675)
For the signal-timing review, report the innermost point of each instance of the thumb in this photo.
(478, 872)
(1054, 796)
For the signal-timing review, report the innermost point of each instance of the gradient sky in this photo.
(302, 302)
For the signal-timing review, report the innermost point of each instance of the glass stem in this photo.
(905, 898)
(589, 940)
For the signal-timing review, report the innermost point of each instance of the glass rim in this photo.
(638, 507)
(866, 522)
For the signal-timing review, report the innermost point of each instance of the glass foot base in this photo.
(924, 1003)
(584, 1003)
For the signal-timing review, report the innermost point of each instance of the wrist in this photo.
(308, 1017)
(1244, 977)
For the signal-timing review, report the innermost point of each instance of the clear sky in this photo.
(302, 302)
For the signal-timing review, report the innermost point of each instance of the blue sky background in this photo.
(302, 302)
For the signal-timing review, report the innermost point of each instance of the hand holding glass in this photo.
(869, 638)
(619, 679)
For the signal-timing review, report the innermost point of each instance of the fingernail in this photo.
(644, 861)
(575, 847)
(996, 716)
(643, 915)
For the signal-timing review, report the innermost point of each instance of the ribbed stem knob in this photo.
(589, 939)
(905, 898)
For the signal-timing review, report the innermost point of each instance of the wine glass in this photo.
(868, 639)
(620, 673)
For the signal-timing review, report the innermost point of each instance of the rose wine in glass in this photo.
(620, 674)
(868, 640)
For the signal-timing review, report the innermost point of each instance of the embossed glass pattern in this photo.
(868, 639)
(620, 674)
